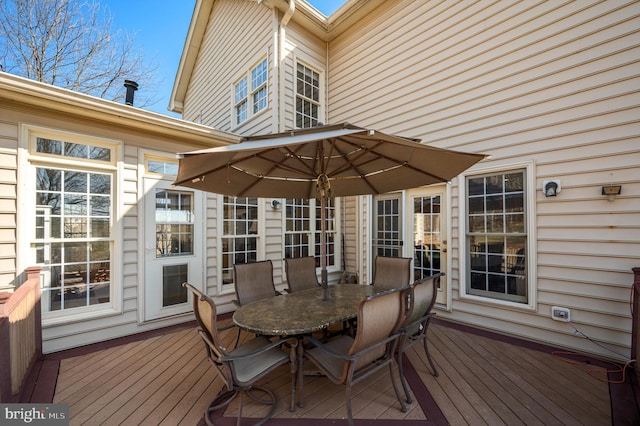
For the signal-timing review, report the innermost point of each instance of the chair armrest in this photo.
(353, 357)
(419, 322)
(226, 327)
(291, 342)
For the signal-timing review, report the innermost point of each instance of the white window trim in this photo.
(531, 304)
(250, 92)
(337, 266)
(25, 223)
(307, 62)
(222, 288)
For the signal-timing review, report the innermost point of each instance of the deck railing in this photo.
(20, 335)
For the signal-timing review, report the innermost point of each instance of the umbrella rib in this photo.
(398, 163)
(349, 164)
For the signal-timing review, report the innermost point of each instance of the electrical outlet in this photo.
(560, 314)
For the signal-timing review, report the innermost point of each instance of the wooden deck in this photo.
(165, 379)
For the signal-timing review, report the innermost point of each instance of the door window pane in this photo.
(427, 241)
(172, 278)
(174, 223)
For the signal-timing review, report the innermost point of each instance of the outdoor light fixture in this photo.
(551, 188)
(275, 204)
(611, 191)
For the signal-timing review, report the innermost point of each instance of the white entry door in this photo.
(426, 220)
(173, 247)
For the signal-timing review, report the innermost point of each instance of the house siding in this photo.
(239, 32)
(128, 272)
(8, 204)
(554, 84)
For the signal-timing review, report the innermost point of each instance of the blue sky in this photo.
(160, 29)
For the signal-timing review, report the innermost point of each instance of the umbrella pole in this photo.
(323, 246)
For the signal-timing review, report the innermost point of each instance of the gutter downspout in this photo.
(280, 64)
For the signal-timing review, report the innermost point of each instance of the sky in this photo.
(160, 30)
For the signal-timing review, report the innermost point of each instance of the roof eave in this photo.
(30, 93)
(195, 34)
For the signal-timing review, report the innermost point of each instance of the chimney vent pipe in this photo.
(131, 86)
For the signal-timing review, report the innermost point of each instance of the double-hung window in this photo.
(239, 233)
(307, 97)
(250, 93)
(72, 231)
(302, 230)
(497, 236)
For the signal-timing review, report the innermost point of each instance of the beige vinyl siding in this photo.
(8, 202)
(554, 84)
(303, 47)
(240, 31)
(128, 272)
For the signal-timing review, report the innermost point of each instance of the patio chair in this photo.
(348, 360)
(243, 366)
(301, 273)
(253, 281)
(391, 272)
(421, 299)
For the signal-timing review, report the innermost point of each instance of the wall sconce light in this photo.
(611, 191)
(551, 188)
(275, 204)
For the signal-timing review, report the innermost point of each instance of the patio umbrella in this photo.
(320, 162)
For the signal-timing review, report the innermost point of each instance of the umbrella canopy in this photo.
(320, 162)
(350, 159)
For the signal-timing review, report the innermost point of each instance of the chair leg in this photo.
(395, 388)
(426, 350)
(403, 380)
(349, 413)
(270, 400)
(222, 400)
(225, 398)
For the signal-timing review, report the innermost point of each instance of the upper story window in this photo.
(307, 97)
(250, 93)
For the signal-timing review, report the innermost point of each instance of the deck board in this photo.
(167, 380)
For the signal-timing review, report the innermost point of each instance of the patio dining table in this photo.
(301, 313)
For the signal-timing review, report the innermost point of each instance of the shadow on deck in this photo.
(162, 377)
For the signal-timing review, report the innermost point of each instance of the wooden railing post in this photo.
(20, 335)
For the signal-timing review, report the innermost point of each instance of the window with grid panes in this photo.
(497, 236)
(250, 93)
(302, 229)
(307, 97)
(259, 86)
(73, 224)
(241, 101)
(240, 234)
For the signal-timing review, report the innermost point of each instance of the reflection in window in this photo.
(73, 235)
(426, 239)
(172, 278)
(174, 223)
(73, 150)
(307, 97)
(496, 236)
(303, 227)
(240, 229)
(168, 168)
